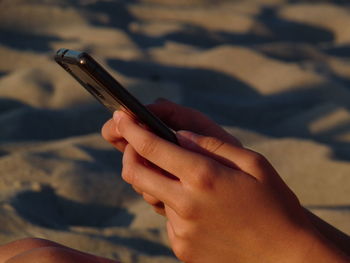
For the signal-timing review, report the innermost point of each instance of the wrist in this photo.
(334, 235)
(323, 250)
(310, 246)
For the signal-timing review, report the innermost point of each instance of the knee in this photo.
(31, 243)
(20, 246)
(45, 255)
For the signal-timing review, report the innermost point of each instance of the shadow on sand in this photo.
(47, 209)
(26, 41)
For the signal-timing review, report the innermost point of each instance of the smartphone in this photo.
(108, 91)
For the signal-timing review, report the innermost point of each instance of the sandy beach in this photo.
(275, 73)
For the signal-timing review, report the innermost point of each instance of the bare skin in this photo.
(195, 121)
(223, 203)
(36, 250)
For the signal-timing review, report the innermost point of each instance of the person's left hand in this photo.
(222, 201)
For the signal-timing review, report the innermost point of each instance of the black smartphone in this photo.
(108, 91)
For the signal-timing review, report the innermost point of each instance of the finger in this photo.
(151, 199)
(180, 224)
(245, 160)
(171, 234)
(173, 115)
(110, 134)
(156, 204)
(149, 180)
(209, 146)
(179, 163)
(137, 190)
(159, 209)
(179, 244)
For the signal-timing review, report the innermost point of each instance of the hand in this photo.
(175, 116)
(224, 203)
(34, 250)
(178, 118)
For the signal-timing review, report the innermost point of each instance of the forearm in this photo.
(335, 236)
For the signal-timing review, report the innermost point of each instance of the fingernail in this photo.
(187, 138)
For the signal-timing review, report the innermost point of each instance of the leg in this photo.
(55, 255)
(19, 246)
(39, 250)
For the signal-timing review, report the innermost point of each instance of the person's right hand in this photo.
(223, 202)
(182, 118)
(178, 118)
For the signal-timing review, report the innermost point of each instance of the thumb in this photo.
(228, 154)
(209, 146)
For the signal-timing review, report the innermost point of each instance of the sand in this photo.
(275, 73)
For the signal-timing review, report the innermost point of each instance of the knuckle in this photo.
(128, 174)
(150, 199)
(211, 144)
(203, 176)
(147, 146)
(128, 171)
(186, 233)
(256, 159)
(106, 130)
(159, 210)
(187, 209)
